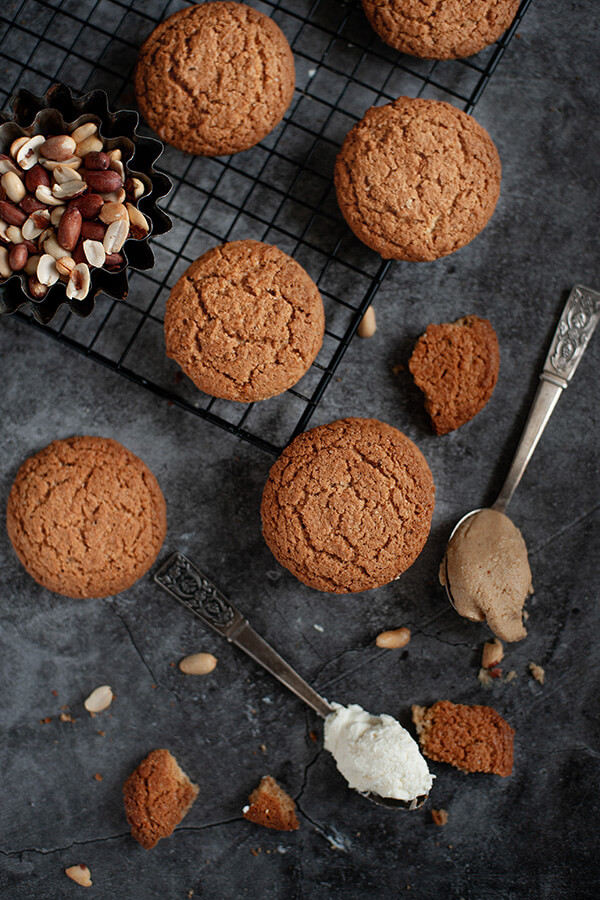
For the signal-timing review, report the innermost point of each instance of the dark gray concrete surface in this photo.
(532, 835)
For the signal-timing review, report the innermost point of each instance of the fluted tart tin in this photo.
(59, 112)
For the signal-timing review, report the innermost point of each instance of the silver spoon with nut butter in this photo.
(375, 754)
(485, 569)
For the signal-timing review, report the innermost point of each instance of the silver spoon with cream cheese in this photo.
(485, 569)
(375, 754)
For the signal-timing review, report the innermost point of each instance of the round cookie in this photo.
(215, 78)
(244, 321)
(86, 517)
(433, 30)
(456, 366)
(417, 179)
(347, 506)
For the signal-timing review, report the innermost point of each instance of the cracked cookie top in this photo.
(417, 179)
(86, 517)
(348, 506)
(244, 321)
(440, 29)
(215, 78)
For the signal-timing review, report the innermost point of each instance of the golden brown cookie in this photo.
(157, 795)
(269, 805)
(417, 179)
(456, 366)
(472, 738)
(347, 506)
(244, 321)
(433, 30)
(215, 78)
(86, 517)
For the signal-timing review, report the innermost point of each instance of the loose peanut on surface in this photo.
(198, 664)
(62, 209)
(492, 654)
(367, 326)
(80, 874)
(393, 640)
(99, 699)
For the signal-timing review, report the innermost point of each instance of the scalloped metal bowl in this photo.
(49, 115)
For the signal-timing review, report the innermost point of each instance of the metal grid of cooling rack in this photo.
(280, 191)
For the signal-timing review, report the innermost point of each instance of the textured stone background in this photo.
(532, 835)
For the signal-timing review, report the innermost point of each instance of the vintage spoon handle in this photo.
(180, 578)
(575, 328)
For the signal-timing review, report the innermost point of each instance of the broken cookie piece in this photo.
(157, 795)
(472, 738)
(269, 805)
(456, 366)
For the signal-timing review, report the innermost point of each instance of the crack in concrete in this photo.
(134, 645)
(43, 852)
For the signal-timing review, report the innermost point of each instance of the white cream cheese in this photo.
(375, 753)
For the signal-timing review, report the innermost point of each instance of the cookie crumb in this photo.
(269, 805)
(65, 717)
(537, 672)
(157, 796)
(439, 816)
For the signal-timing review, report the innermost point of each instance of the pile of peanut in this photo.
(66, 205)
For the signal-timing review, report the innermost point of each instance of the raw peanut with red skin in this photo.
(103, 181)
(36, 289)
(35, 176)
(3, 193)
(31, 247)
(78, 255)
(113, 260)
(31, 204)
(58, 148)
(89, 205)
(69, 229)
(31, 265)
(97, 160)
(92, 231)
(11, 214)
(17, 257)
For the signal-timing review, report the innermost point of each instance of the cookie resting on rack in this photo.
(433, 30)
(244, 321)
(417, 179)
(215, 78)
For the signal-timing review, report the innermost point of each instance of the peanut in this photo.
(367, 326)
(198, 664)
(58, 148)
(80, 874)
(393, 640)
(492, 654)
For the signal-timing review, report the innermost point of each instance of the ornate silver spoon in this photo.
(182, 580)
(573, 332)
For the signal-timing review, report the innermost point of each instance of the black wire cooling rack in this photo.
(280, 191)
